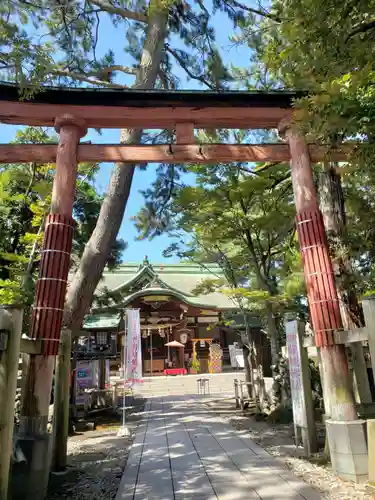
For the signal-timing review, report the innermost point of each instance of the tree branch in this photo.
(362, 28)
(267, 165)
(181, 62)
(116, 67)
(120, 11)
(84, 78)
(163, 79)
(262, 13)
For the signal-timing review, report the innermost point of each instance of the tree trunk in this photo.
(81, 290)
(332, 207)
(249, 374)
(273, 334)
(94, 258)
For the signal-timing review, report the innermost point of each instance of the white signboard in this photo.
(295, 373)
(133, 364)
(236, 357)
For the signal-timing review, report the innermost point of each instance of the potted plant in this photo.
(195, 366)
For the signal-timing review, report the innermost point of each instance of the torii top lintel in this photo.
(107, 108)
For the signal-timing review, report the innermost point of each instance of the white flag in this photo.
(133, 364)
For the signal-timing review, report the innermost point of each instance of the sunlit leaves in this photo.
(25, 201)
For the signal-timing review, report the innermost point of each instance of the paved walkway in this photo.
(183, 450)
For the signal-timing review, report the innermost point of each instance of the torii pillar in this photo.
(346, 434)
(47, 315)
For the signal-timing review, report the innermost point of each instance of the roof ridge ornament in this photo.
(155, 282)
(145, 263)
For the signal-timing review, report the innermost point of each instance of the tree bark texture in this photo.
(332, 206)
(249, 374)
(321, 288)
(81, 290)
(273, 333)
(86, 278)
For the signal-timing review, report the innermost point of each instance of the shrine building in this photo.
(171, 312)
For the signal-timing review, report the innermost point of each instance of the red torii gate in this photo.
(72, 111)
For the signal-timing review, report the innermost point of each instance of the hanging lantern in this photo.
(183, 338)
(144, 334)
(162, 333)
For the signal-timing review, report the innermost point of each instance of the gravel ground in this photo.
(277, 440)
(97, 460)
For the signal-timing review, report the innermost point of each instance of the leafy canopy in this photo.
(25, 199)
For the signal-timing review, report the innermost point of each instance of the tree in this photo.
(150, 31)
(25, 195)
(69, 34)
(323, 49)
(332, 206)
(242, 219)
(358, 185)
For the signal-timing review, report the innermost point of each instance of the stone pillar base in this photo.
(29, 480)
(348, 449)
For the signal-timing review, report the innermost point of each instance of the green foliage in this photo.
(11, 293)
(50, 42)
(241, 218)
(325, 49)
(25, 197)
(195, 365)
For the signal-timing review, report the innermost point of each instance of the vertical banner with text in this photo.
(133, 355)
(294, 345)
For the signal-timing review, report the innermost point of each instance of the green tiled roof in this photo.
(102, 321)
(165, 279)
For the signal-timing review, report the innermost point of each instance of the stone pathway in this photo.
(184, 450)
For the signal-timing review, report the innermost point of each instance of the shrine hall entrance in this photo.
(161, 359)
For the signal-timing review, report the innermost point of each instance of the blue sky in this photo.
(138, 249)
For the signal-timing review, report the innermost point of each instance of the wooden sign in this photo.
(295, 373)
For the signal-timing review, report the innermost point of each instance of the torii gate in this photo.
(73, 111)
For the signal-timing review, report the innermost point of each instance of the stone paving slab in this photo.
(183, 451)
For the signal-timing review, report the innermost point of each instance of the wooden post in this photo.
(346, 434)
(321, 289)
(61, 403)
(368, 304)
(242, 402)
(48, 311)
(151, 354)
(371, 451)
(360, 373)
(300, 382)
(168, 351)
(236, 396)
(11, 331)
(73, 371)
(185, 133)
(102, 373)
